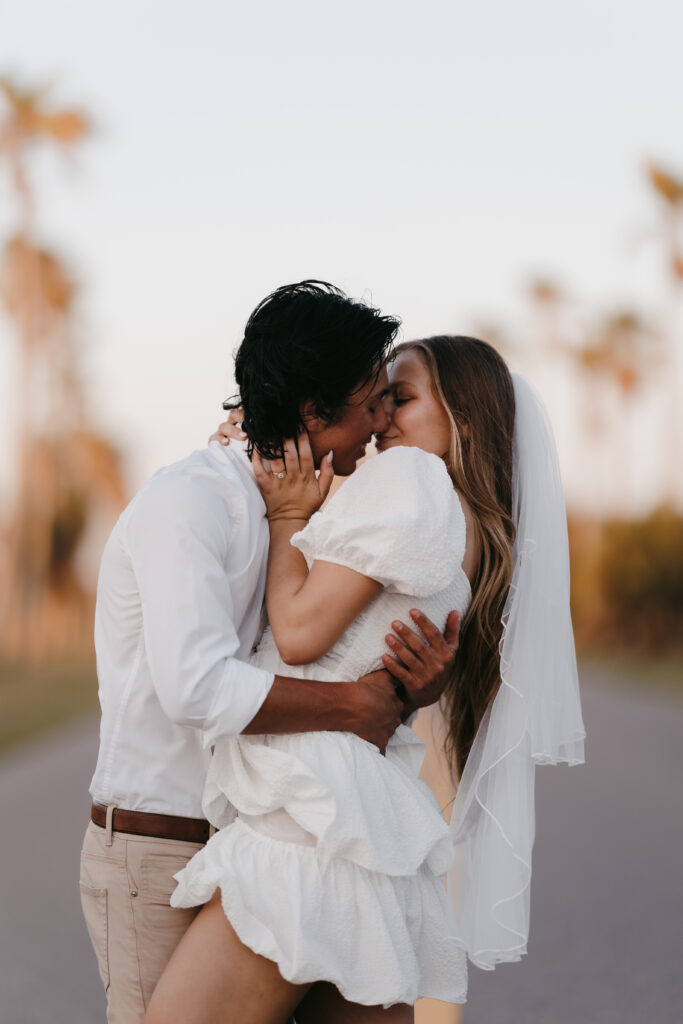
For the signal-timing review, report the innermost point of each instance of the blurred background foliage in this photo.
(69, 480)
(627, 571)
(627, 583)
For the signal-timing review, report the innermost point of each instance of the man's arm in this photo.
(178, 536)
(431, 663)
(178, 541)
(369, 708)
(178, 533)
(364, 708)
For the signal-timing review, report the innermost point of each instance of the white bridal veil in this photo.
(535, 717)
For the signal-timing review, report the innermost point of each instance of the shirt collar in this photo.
(236, 452)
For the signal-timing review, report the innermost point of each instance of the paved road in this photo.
(606, 933)
(607, 907)
(48, 972)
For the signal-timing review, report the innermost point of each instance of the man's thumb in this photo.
(452, 632)
(326, 475)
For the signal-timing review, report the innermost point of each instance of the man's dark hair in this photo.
(306, 342)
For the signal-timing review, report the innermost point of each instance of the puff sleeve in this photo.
(397, 520)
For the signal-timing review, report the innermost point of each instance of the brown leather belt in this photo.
(155, 826)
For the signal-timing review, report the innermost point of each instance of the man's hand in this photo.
(422, 664)
(379, 709)
(232, 427)
(368, 707)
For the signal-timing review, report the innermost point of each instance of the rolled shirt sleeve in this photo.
(179, 539)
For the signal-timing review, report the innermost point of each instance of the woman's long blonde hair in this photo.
(473, 383)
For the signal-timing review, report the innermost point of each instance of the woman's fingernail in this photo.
(329, 457)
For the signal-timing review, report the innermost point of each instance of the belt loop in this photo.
(109, 838)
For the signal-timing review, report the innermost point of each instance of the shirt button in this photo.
(133, 892)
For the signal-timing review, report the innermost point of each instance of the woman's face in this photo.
(417, 418)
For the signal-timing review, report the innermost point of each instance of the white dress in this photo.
(331, 857)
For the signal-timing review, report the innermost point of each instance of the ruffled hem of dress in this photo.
(378, 939)
(316, 778)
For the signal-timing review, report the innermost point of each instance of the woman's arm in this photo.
(308, 611)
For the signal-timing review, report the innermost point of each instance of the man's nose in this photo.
(381, 419)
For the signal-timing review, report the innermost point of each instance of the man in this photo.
(179, 608)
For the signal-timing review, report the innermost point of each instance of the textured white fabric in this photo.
(535, 717)
(395, 521)
(179, 608)
(331, 858)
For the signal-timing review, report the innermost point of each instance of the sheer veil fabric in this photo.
(535, 717)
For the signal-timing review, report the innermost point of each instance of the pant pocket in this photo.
(94, 903)
(159, 926)
(156, 875)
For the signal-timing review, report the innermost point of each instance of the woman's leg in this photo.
(212, 978)
(325, 1003)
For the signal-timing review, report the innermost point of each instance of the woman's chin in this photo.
(389, 442)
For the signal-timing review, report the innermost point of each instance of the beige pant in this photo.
(126, 883)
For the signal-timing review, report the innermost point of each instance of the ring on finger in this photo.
(280, 476)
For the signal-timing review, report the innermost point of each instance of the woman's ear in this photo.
(310, 418)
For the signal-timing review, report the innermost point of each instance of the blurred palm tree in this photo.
(548, 299)
(616, 352)
(547, 340)
(615, 361)
(669, 190)
(29, 121)
(495, 334)
(68, 477)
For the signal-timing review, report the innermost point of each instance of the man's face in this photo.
(362, 416)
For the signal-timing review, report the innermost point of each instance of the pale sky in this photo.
(431, 155)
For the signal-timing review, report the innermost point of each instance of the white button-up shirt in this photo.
(179, 608)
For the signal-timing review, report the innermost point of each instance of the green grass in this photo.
(35, 698)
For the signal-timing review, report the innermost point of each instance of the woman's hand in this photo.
(289, 486)
(230, 428)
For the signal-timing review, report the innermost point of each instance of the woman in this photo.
(315, 826)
